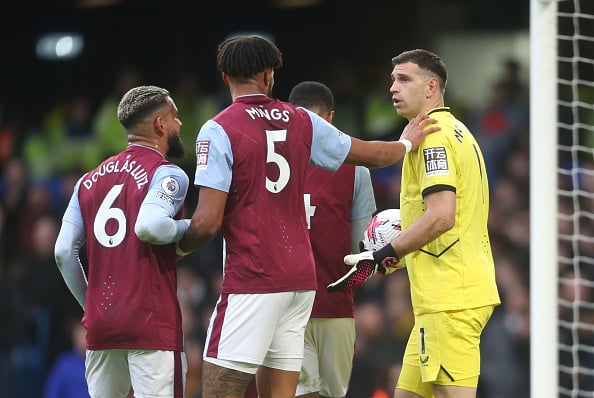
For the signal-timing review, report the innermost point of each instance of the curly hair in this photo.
(242, 57)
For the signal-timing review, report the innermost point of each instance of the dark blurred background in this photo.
(161, 37)
(57, 120)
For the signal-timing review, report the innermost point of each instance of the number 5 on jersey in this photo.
(284, 170)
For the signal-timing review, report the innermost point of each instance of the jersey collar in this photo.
(252, 98)
(440, 109)
(147, 147)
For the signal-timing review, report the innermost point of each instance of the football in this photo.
(381, 230)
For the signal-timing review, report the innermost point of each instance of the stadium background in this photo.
(57, 119)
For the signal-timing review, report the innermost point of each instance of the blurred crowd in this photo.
(41, 354)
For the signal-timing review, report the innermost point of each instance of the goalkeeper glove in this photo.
(364, 266)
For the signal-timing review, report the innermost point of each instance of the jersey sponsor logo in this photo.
(436, 161)
(202, 149)
(170, 186)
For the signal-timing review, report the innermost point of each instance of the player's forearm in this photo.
(388, 153)
(154, 225)
(206, 220)
(439, 217)
(66, 251)
(75, 280)
(375, 154)
(196, 236)
(415, 237)
(425, 229)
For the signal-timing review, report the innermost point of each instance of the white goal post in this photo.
(543, 200)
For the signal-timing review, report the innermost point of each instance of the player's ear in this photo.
(225, 78)
(432, 87)
(268, 76)
(159, 126)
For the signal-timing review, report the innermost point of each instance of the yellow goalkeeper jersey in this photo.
(456, 270)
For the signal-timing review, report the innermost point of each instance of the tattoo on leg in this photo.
(219, 382)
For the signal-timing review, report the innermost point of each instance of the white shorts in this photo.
(151, 373)
(249, 330)
(328, 357)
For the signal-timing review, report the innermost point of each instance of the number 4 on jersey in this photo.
(310, 210)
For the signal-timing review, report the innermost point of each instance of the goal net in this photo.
(562, 183)
(576, 197)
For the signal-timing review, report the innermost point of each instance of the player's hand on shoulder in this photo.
(418, 128)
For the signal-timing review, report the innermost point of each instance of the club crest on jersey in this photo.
(170, 186)
(202, 149)
(436, 161)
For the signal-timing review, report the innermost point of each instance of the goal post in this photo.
(543, 200)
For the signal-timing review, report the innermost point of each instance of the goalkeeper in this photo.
(444, 204)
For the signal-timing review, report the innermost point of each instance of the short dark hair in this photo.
(242, 57)
(313, 96)
(425, 60)
(140, 102)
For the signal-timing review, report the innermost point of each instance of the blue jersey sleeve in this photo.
(165, 197)
(214, 157)
(67, 247)
(168, 189)
(73, 214)
(330, 146)
(363, 197)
